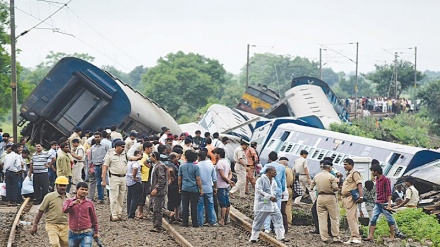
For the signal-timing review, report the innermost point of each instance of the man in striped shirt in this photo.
(39, 167)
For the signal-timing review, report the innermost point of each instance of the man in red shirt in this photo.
(83, 223)
(383, 203)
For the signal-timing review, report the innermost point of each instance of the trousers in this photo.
(304, 183)
(327, 205)
(76, 175)
(133, 198)
(268, 219)
(41, 185)
(80, 240)
(98, 177)
(352, 216)
(241, 180)
(118, 188)
(12, 186)
(188, 197)
(206, 201)
(260, 217)
(158, 202)
(58, 234)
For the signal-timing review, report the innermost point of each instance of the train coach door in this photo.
(80, 108)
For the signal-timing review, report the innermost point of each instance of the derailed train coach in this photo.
(77, 93)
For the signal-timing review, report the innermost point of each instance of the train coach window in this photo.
(283, 147)
(289, 148)
(295, 148)
(398, 171)
(315, 154)
(270, 143)
(322, 154)
(312, 151)
(301, 147)
(285, 136)
(338, 159)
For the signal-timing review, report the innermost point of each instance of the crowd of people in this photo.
(366, 105)
(187, 179)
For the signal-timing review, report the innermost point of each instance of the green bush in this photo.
(414, 223)
(407, 129)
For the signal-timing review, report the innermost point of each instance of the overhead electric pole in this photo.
(356, 83)
(13, 72)
(320, 63)
(247, 67)
(395, 75)
(415, 71)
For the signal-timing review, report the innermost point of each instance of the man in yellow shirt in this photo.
(145, 175)
(64, 166)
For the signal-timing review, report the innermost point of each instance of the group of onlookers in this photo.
(381, 104)
(179, 176)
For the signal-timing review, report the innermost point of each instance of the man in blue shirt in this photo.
(190, 187)
(280, 179)
(206, 201)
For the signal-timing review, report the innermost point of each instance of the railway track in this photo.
(12, 234)
(135, 232)
(236, 233)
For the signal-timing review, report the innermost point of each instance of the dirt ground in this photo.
(129, 232)
(136, 232)
(7, 215)
(297, 234)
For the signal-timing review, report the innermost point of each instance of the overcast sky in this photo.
(128, 33)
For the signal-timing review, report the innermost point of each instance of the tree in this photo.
(383, 77)
(5, 62)
(183, 83)
(430, 98)
(345, 87)
(117, 73)
(136, 75)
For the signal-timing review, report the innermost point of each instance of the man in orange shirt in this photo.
(210, 149)
(252, 159)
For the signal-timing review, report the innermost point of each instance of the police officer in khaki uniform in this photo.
(116, 163)
(352, 181)
(327, 203)
(302, 169)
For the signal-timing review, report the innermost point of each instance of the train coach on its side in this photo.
(77, 93)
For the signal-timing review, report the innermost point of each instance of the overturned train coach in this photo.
(288, 138)
(77, 93)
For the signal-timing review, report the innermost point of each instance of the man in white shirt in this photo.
(114, 134)
(12, 166)
(265, 206)
(78, 153)
(216, 142)
(240, 168)
(164, 136)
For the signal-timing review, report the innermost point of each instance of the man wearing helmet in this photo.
(56, 221)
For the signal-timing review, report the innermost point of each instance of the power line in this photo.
(107, 39)
(44, 20)
(58, 30)
(340, 53)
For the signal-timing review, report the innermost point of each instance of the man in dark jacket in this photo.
(159, 189)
